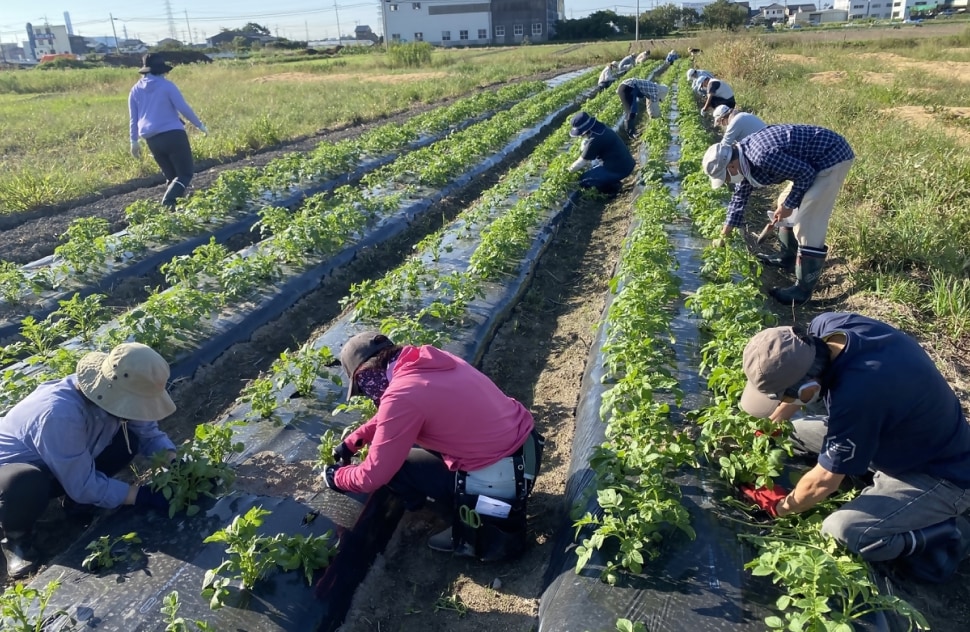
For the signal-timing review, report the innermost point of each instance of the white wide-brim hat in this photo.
(129, 382)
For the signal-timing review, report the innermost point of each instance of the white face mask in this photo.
(814, 397)
(736, 178)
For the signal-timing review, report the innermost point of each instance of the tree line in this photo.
(658, 22)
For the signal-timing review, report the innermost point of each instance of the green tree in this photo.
(661, 21)
(240, 43)
(689, 17)
(724, 15)
(255, 29)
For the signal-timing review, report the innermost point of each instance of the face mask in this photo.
(372, 383)
(736, 178)
(814, 398)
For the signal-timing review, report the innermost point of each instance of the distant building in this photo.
(364, 33)
(471, 22)
(773, 12)
(864, 9)
(904, 9)
(132, 46)
(12, 52)
(825, 16)
(47, 40)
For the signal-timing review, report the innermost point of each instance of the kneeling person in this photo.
(443, 431)
(603, 144)
(890, 411)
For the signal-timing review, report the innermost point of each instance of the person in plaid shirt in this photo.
(816, 160)
(631, 90)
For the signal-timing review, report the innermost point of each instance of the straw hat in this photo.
(129, 382)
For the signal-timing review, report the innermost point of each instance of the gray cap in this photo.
(358, 350)
(774, 360)
(720, 112)
(715, 163)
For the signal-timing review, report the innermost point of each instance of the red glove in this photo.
(776, 433)
(766, 499)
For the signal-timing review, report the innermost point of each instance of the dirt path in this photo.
(538, 357)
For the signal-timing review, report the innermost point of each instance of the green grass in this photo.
(66, 131)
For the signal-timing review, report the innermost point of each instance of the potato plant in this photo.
(253, 557)
(107, 551)
(200, 469)
(24, 609)
(175, 623)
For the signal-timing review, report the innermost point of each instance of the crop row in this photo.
(827, 588)
(208, 282)
(90, 253)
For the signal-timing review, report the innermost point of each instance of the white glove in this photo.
(204, 130)
(135, 149)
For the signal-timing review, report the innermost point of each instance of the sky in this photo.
(293, 19)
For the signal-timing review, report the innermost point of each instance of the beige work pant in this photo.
(811, 219)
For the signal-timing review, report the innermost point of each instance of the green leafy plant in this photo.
(452, 602)
(252, 556)
(175, 623)
(24, 609)
(105, 551)
(200, 468)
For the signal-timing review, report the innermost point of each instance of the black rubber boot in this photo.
(785, 258)
(808, 270)
(21, 556)
(932, 554)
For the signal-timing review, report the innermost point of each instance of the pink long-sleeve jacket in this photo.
(439, 402)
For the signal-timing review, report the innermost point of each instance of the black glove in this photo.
(342, 454)
(148, 499)
(328, 475)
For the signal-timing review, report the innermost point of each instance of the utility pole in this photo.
(336, 12)
(306, 25)
(636, 26)
(387, 43)
(188, 29)
(115, 31)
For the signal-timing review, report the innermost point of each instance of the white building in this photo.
(904, 9)
(442, 23)
(697, 6)
(825, 16)
(865, 9)
(773, 13)
(48, 40)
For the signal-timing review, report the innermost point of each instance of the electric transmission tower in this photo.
(172, 32)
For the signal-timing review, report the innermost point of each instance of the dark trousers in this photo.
(424, 475)
(602, 179)
(172, 152)
(716, 101)
(25, 489)
(628, 99)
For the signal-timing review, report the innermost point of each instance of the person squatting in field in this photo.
(442, 429)
(889, 413)
(600, 143)
(816, 160)
(631, 91)
(607, 75)
(69, 436)
(154, 106)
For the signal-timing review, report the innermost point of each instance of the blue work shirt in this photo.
(889, 407)
(57, 427)
(779, 153)
(604, 144)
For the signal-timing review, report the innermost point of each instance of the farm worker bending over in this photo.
(696, 77)
(889, 412)
(671, 57)
(642, 57)
(608, 75)
(70, 435)
(718, 93)
(439, 423)
(736, 124)
(631, 90)
(816, 160)
(627, 63)
(155, 104)
(603, 144)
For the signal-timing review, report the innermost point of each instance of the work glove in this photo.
(720, 242)
(342, 454)
(328, 477)
(766, 499)
(776, 433)
(204, 130)
(149, 499)
(135, 149)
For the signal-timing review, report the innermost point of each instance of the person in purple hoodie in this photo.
(155, 104)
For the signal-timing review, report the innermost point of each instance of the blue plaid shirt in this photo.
(647, 89)
(786, 152)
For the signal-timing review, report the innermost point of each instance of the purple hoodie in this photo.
(155, 104)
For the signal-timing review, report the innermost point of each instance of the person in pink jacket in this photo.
(437, 417)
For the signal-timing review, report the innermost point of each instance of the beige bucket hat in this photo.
(129, 382)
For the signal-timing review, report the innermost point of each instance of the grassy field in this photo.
(66, 131)
(901, 221)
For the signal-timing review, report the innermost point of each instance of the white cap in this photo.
(715, 162)
(720, 112)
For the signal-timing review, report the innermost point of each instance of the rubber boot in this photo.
(808, 270)
(932, 554)
(789, 249)
(21, 556)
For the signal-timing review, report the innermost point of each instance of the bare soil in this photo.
(956, 120)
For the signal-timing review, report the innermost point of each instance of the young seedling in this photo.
(24, 609)
(106, 551)
(451, 602)
(175, 623)
(200, 469)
